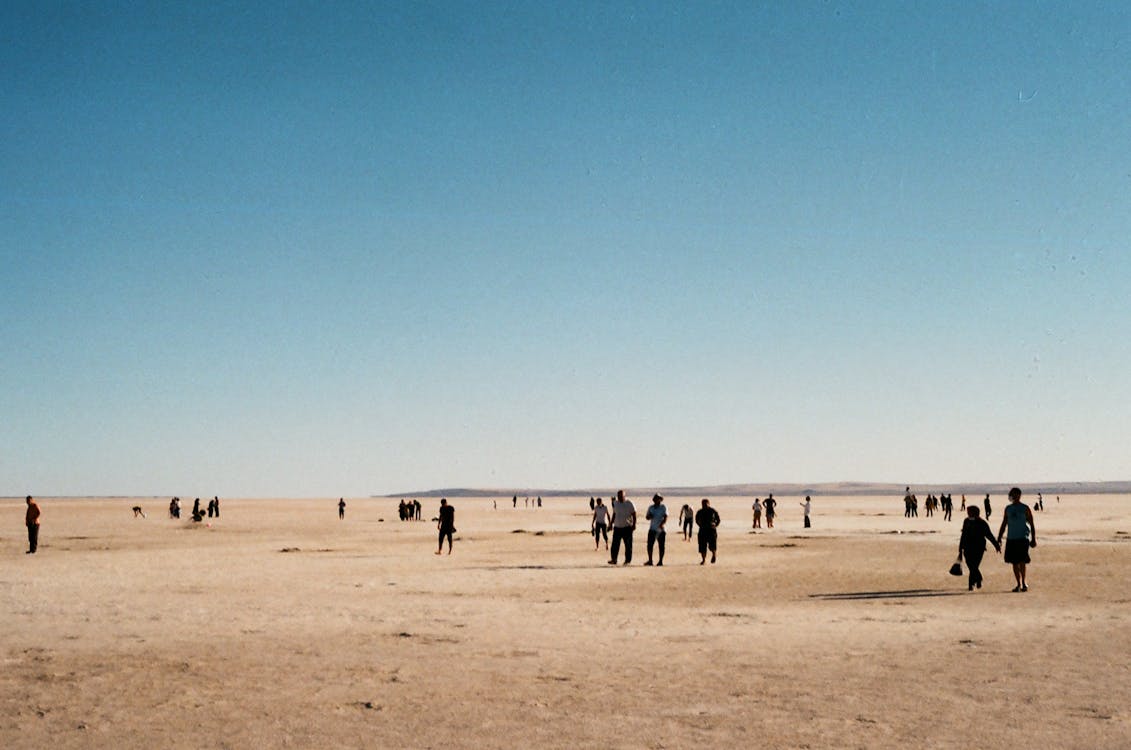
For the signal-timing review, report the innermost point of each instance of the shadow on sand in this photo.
(905, 594)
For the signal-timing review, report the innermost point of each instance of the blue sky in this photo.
(289, 249)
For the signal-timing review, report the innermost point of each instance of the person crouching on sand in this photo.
(972, 544)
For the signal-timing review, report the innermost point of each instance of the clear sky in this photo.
(342, 249)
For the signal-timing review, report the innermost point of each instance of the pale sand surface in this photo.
(125, 633)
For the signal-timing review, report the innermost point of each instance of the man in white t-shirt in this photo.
(624, 523)
(658, 516)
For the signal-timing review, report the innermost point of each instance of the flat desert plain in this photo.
(281, 626)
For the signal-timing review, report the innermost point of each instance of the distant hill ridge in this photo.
(827, 489)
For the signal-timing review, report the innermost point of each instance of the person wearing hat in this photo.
(1018, 520)
(972, 544)
(658, 515)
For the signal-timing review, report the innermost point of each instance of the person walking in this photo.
(986, 504)
(972, 544)
(31, 520)
(446, 525)
(808, 506)
(600, 524)
(757, 513)
(624, 523)
(708, 520)
(686, 520)
(1020, 535)
(658, 516)
(341, 508)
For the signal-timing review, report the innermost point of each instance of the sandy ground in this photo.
(156, 633)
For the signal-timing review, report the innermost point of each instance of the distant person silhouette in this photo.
(600, 524)
(31, 520)
(770, 505)
(657, 515)
(446, 525)
(341, 508)
(624, 523)
(708, 520)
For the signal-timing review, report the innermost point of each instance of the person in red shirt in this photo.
(32, 521)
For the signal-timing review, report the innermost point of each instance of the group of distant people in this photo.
(1017, 527)
(622, 517)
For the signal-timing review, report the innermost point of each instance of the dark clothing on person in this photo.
(601, 530)
(653, 537)
(708, 520)
(341, 509)
(447, 517)
(1017, 551)
(621, 534)
(32, 537)
(975, 532)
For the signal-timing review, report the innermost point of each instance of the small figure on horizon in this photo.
(31, 520)
(1020, 535)
(196, 514)
(514, 501)
(175, 508)
(708, 520)
(600, 524)
(686, 519)
(417, 508)
(757, 513)
(341, 508)
(972, 545)
(986, 504)
(138, 511)
(216, 505)
(808, 506)
(658, 515)
(770, 505)
(947, 506)
(446, 524)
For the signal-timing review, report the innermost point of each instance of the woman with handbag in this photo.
(972, 543)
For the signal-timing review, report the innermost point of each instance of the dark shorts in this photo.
(1017, 551)
(707, 542)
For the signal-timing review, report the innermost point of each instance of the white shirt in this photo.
(600, 514)
(659, 514)
(806, 507)
(622, 513)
